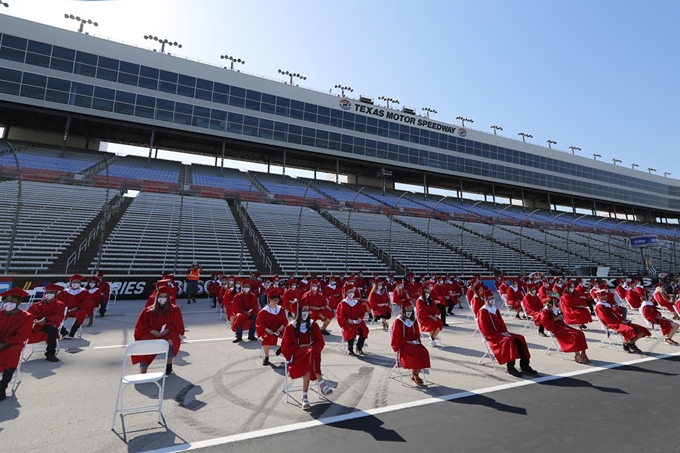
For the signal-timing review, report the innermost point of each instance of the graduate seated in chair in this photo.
(653, 316)
(612, 319)
(428, 315)
(569, 339)
(48, 314)
(271, 321)
(506, 347)
(405, 341)
(351, 320)
(379, 301)
(77, 301)
(15, 328)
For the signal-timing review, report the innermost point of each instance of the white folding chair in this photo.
(553, 345)
(289, 387)
(652, 329)
(32, 345)
(113, 295)
(529, 320)
(488, 353)
(397, 368)
(609, 336)
(34, 294)
(16, 379)
(145, 347)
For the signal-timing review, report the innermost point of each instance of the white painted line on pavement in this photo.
(371, 412)
(203, 340)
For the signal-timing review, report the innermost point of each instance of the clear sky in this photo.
(603, 75)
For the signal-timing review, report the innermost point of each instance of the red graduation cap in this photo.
(77, 277)
(14, 292)
(53, 287)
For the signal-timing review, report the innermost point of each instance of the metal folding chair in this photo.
(32, 345)
(289, 387)
(609, 336)
(16, 379)
(488, 354)
(397, 368)
(554, 345)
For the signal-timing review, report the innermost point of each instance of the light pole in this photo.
(496, 128)
(634, 166)
(233, 60)
(78, 18)
(388, 100)
(163, 42)
(551, 142)
(343, 89)
(616, 161)
(525, 136)
(650, 170)
(292, 74)
(666, 174)
(595, 156)
(463, 120)
(428, 110)
(574, 149)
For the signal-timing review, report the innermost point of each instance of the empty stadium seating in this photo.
(322, 247)
(149, 238)
(345, 195)
(49, 159)
(229, 179)
(51, 218)
(290, 190)
(137, 172)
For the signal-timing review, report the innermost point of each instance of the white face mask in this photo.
(9, 306)
(75, 285)
(491, 302)
(314, 288)
(304, 315)
(427, 294)
(556, 311)
(162, 300)
(246, 290)
(408, 314)
(48, 296)
(91, 285)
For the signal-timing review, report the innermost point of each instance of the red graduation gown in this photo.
(574, 309)
(53, 312)
(346, 312)
(302, 359)
(411, 356)
(614, 321)
(423, 313)
(532, 306)
(653, 316)
(291, 297)
(633, 298)
(513, 298)
(241, 305)
(334, 295)
(492, 326)
(570, 339)
(149, 321)
(380, 303)
(401, 298)
(14, 330)
(476, 303)
(662, 298)
(74, 300)
(272, 320)
(317, 300)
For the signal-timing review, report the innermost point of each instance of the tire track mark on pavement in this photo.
(354, 389)
(259, 417)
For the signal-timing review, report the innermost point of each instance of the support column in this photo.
(573, 206)
(524, 204)
(594, 209)
(425, 191)
(153, 135)
(550, 206)
(66, 131)
(283, 175)
(337, 172)
(315, 172)
(224, 144)
(5, 132)
(493, 194)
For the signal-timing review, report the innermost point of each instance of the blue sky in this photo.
(603, 75)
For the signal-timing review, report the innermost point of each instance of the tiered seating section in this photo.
(45, 164)
(51, 218)
(220, 183)
(322, 247)
(292, 191)
(160, 176)
(147, 237)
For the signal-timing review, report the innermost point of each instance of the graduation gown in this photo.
(653, 316)
(615, 321)
(148, 321)
(513, 297)
(243, 307)
(302, 359)
(574, 309)
(476, 303)
(94, 298)
(424, 311)
(317, 300)
(664, 300)
(14, 330)
(380, 303)
(334, 295)
(291, 297)
(347, 313)
(54, 314)
(411, 356)
(633, 298)
(532, 306)
(569, 339)
(75, 299)
(492, 326)
(271, 319)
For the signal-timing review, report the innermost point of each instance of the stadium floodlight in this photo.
(388, 100)
(574, 149)
(595, 156)
(163, 42)
(82, 21)
(524, 136)
(496, 128)
(233, 60)
(666, 174)
(344, 88)
(551, 142)
(292, 74)
(616, 161)
(428, 110)
(463, 120)
(650, 170)
(634, 166)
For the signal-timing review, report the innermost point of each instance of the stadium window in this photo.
(34, 80)
(85, 69)
(10, 75)
(128, 79)
(86, 58)
(124, 96)
(309, 116)
(58, 84)
(107, 74)
(14, 42)
(167, 87)
(218, 119)
(40, 48)
(201, 111)
(266, 124)
(63, 53)
(151, 73)
(253, 95)
(167, 76)
(280, 131)
(359, 127)
(187, 81)
(61, 65)
(129, 68)
(61, 97)
(124, 108)
(9, 53)
(296, 114)
(252, 105)
(308, 136)
(108, 63)
(204, 84)
(381, 150)
(146, 101)
(336, 118)
(187, 91)
(32, 92)
(102, 104)
(35, 59)
(323, 119)
(268, 108)
(221, 93)
(82, 89)
(235, 100)
(334, 146)
(182, 118)
(203, 95)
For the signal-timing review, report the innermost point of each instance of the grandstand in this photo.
(233, 183)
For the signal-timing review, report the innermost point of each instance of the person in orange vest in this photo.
(193, 276)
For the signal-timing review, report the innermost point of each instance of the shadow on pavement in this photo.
(9, 409)
(573, 382)
(369, 424)
(483, 400)
(157, 437)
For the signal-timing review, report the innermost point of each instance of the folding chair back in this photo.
(145, 347)
(16, 379)
(488, 353)
(289, 387)
(609, 333)
(32, 345)
(397, 368)
(554, 345)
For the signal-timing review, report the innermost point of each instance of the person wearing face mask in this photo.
(275, 289)
(105, 291)
(479, 299)
(569, 339)
(94, 296)
(506, 347)
(400, 296)
(405, 341)
(662, 298)
(291, 297)
(379, 302)
(428, 314)
(513, 297)
(653, 316)
(333, 293)
(165, 284)
(48, 314)
(232, 288)
(613, 320)
(193, 277)
(303, 284)
(161, 321)
(270, 323)
(245, 309)
(318, 305)
(76, 299)
(301, 345)
(15, 329)
(440, 295)
(574, 309)
(533, 306)
(213, 287)
(351, 320)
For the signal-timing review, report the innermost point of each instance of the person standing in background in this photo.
(193, 276)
